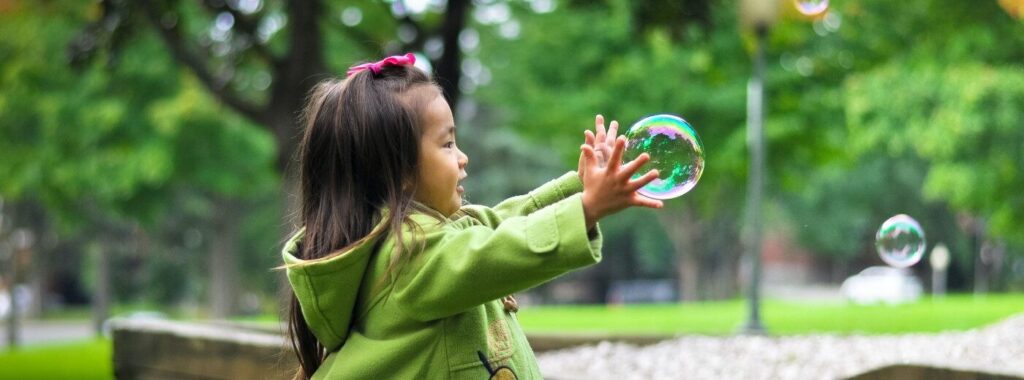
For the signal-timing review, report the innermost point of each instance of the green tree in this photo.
(859, 79)
(108, 148)
(608, 58)
(548, 89)
(261, 58)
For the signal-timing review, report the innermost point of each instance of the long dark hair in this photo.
(358, 157)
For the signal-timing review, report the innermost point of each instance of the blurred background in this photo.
(145, 147)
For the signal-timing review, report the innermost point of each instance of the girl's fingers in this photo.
(589, 137)
(628, 169)
(640, 200)
(616, 159)
(589, 156)
(613, 130)
(599, 127)
(636, 184)
(581, 167)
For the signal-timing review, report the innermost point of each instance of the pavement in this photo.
(37, 332)
(990, 352)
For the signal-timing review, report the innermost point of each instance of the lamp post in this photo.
(758, 15)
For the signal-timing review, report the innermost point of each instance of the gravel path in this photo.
(998, 348)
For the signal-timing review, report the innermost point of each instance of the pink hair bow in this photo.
(395, 60)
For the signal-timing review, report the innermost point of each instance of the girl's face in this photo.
(441, 164)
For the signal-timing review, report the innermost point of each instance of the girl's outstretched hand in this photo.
(608, 189)
(602, 140)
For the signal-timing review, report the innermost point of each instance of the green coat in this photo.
(442, 310)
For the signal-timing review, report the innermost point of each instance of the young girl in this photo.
(393, 277)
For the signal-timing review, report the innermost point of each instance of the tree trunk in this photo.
(292, 220)
(449, 67)
(224, 261)
(101, 295)
(682, 230)
(980, 275)
(726, 273)
(7, 254)
(303, 67)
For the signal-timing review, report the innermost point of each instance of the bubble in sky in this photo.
(811, 7)
(900, 241)
(675, 150)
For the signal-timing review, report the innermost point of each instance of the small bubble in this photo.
(900, 241)
(811, 7)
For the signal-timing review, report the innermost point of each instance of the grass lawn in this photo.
(958, 312)
(82, 360)
(92, 359)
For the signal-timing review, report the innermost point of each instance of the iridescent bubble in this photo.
(900, 241)
(811, 7)
(675, 150)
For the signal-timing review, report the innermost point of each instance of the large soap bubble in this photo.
(900, 241)
(675, 150)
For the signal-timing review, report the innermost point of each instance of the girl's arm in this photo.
(464, 263)
(460, 268)
(547, 194)
(602, 142)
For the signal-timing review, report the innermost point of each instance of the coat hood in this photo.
(327, 289)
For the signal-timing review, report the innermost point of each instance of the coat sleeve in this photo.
(462, 268)
(547, 194)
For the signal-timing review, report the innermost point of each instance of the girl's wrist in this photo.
(590, 214)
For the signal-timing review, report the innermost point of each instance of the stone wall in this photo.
(159, 349)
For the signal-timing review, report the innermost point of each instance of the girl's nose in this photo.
(463, 159)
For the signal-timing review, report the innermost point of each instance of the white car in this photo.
(24, 294)
(882, 285)
(5, 304)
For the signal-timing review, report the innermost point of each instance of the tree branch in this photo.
(421, 33)
(363, 39)
(247, 26)
(173, 39)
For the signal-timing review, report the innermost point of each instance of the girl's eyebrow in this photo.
(446, 132)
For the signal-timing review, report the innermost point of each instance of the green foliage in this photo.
(964, 121)
(122, 141)
(75, 139)
(113, 138)
(214, 150)
(634, 246)
(891, 64)
(880, 108)
(903, 86)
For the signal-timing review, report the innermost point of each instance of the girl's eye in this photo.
(449, 144)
